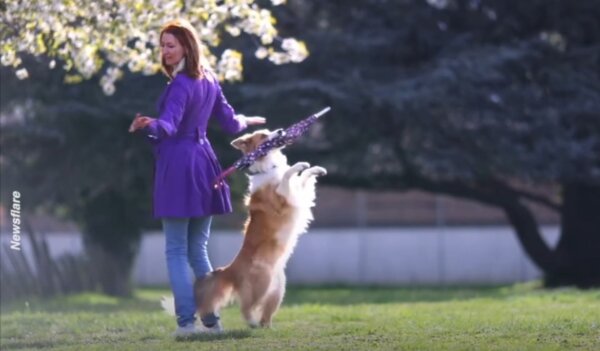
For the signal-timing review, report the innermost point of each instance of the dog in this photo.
(279, 210)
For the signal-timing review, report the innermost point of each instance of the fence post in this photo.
(440, 222)
(360, 203)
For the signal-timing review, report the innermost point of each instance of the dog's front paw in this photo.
(300, 166)
(253, 324)
(319, 171)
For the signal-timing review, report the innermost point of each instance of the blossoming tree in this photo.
(67, 149)
(86, 37)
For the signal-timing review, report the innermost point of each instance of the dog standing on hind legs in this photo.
(279, 205)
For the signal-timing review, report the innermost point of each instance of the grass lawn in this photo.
(520, 317)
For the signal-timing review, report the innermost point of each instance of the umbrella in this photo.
(288, 137)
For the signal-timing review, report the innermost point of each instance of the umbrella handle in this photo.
(322, 112)
(219, 181)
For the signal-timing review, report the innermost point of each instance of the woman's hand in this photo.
(254, 120)
(139, 122)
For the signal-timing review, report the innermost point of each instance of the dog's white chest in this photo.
(271, 176)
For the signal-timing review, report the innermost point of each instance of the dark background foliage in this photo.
(484, 100)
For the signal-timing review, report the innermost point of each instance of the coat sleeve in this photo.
(171, 115)
(225, 115)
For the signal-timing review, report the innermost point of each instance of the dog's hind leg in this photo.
(273, 301)
(249, 312)
(251, 296)
(284, 187)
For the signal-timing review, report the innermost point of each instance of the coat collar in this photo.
(180, 66)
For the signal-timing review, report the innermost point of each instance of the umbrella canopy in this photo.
(288, 137)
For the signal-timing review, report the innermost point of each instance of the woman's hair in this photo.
(188, 38)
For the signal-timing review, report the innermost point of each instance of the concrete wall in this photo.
(439, 255)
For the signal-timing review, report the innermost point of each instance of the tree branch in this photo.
(542, 200)
(520, 217)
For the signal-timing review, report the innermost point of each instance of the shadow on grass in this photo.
(148, 300)
(83, 302)
(226, 335)
(349, 295)
(37, 345)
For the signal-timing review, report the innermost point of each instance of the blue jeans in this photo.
(186, 242)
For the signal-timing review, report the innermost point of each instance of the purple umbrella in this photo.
(288, 137)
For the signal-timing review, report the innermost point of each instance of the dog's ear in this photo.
(240, 143)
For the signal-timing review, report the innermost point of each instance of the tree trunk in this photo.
(528, 233)
(111, 238)
(576, 259)
(112, 272)
(578, 250)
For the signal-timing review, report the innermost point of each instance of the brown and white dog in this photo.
(279, 206)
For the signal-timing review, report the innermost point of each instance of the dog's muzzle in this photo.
(276, 133)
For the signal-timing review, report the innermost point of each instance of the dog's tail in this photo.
(168, 305)
(213, 291)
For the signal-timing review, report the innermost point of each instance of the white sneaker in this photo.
(187, 330)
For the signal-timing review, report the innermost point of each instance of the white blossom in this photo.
(296, 50)
(261, 52)
(86, 36)
(554, 39)
(22, 73)
(108, 89)
(230, 65)
(266, 39)
(233, 31)
(7, 58)
(439, 4)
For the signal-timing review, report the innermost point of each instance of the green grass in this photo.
(520, 317)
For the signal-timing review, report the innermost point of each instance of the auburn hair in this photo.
(187, 36)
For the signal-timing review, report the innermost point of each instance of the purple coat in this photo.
(186, 164)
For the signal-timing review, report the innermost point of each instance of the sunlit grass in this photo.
(521, 317)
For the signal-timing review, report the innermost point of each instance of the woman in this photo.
(186, 164)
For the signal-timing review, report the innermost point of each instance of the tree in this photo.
(485, 100)
(66, 146)
(68, 151)
(125, 33)
(481, 99)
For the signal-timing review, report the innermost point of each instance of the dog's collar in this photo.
(249, 172)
